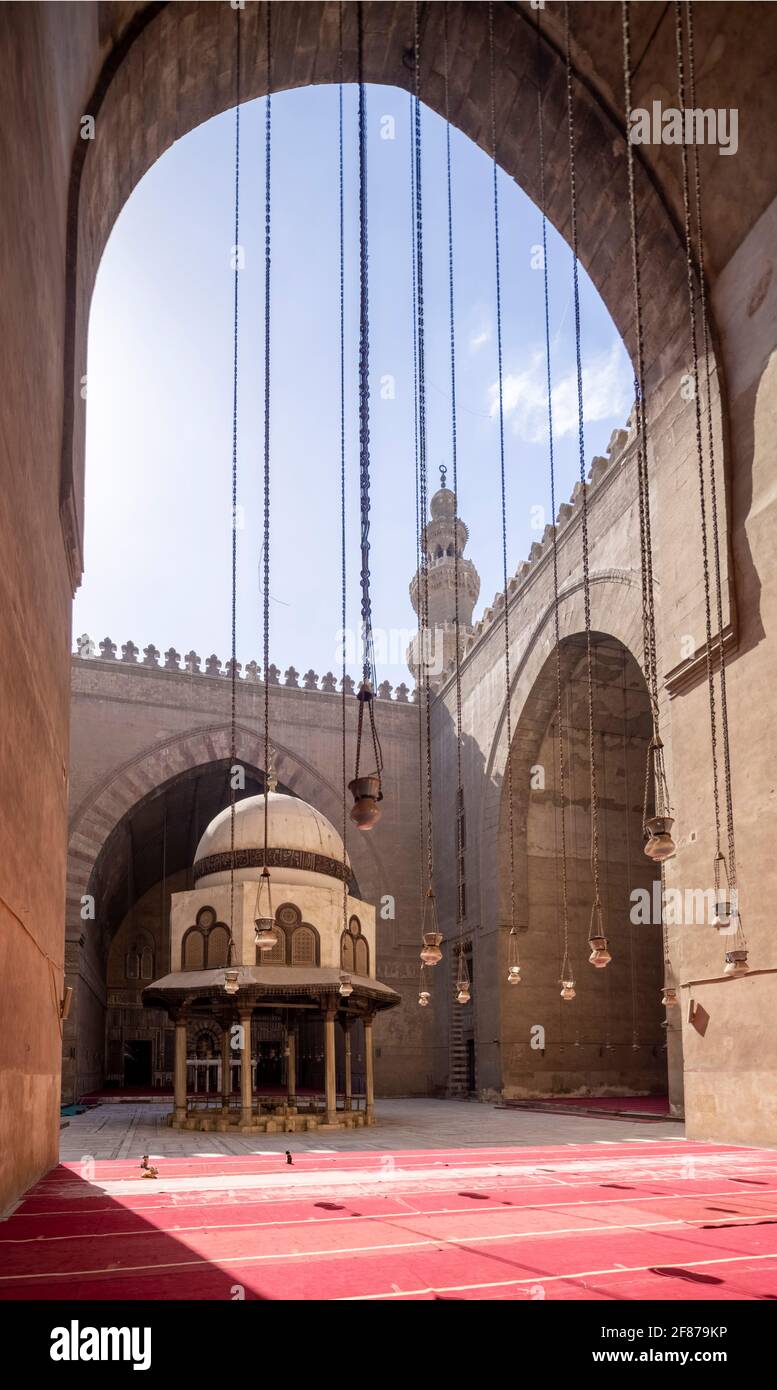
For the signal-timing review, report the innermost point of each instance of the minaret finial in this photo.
(443, 474)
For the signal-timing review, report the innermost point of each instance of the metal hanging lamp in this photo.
(463, 984)
(431, 936)
(513, 961)
(597, 938)
(366, 790)
(430, 931)
(424, 993)
(567, 981)
(659, 845)
(265, 930)
(727, 919)
(724, 908)
(463, 981)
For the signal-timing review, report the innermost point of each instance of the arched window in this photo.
(218, 946)
(362, 956)
(193, 950)
(304, 946)
(347, 956)
(140, 959)
(354, 950)
(277, 956)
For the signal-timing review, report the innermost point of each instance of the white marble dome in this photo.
(306, 840)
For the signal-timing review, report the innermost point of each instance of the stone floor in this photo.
(128, 1131)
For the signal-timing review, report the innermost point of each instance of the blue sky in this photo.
(159, 425)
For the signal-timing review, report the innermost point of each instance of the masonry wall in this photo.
(51, 57)
(134, 726)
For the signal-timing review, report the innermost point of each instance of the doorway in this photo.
(137, 1063)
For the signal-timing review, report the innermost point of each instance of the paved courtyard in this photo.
(128, 1131)
(439, 1200)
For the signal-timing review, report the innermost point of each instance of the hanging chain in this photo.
(266, 549)
(640, 405)
(584, 490)
(699, 432)
(627, 818)
(454, 461)
(503, 481)
(422, 458)
(731, 868)
(421, 778)
(368, 671)
(343, 567)
(565, 964)
(233, 667)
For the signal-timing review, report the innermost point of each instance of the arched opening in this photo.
(111, 1039)
(609, 1040)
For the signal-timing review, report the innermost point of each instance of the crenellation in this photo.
(86, 651)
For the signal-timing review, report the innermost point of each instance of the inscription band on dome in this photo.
(305, 859)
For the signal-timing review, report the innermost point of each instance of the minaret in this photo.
(441, 538)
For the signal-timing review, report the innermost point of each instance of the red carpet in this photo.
(646, 1105)
(640, 1220)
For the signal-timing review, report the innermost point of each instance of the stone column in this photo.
(226, 1067)
(369, 1076)
(291, 1068)
(180, 1071)
(246, 1088)
(346, 1026)
(330, 1075)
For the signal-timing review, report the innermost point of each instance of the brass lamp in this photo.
(600, 955)
(659, 844)
(431, 935)
(265, 934)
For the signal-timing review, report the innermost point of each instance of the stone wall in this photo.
(150, 83)
(135, 727)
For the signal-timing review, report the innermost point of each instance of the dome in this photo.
(443, 505)
(302, 844)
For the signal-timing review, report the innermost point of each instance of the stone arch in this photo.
(615, 610)
(100, 814)
(152, 86)
(610, 1037)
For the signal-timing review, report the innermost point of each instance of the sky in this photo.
(159, 383)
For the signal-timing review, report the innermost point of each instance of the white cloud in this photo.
(478, 340)
(607, 394)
